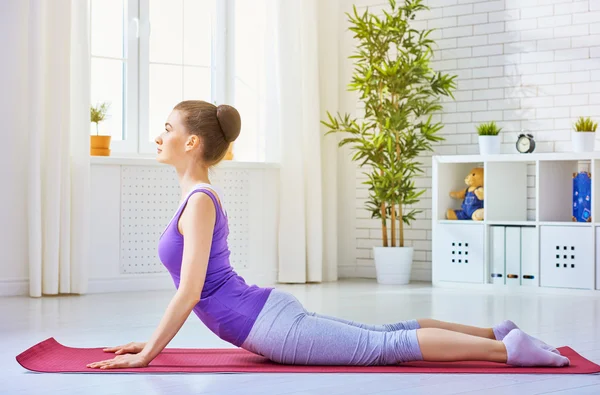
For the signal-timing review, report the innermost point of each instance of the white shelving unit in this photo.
(527, 238)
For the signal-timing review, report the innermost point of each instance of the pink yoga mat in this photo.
(52, 357)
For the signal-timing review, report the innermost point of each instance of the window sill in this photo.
(151, 161)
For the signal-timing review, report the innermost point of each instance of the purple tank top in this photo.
(228, 306)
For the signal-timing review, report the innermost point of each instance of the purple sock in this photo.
(522, 351)
(502, 329)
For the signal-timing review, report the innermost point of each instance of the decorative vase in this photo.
(393, 264)
(583, 141)
(489, 145)
(100, 145)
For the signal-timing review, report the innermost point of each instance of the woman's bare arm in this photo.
(197, 224)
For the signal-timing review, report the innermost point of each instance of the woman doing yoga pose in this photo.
(268, 321)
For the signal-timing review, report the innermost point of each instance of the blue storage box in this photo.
(582, 190)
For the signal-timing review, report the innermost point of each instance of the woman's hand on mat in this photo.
(129, 348)
(121, 361)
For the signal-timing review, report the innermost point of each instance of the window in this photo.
(109, 63)
(148, 55)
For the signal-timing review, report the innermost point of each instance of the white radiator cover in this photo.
(150, 197)
(132, 203)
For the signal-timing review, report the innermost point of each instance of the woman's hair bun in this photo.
(230, 122)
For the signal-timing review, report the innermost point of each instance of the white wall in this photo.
(526, 64)
(13, 161)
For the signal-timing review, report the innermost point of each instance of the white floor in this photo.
(111, 319)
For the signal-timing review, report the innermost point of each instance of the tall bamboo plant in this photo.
(400, 93)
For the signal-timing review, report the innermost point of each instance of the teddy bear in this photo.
(472, 197)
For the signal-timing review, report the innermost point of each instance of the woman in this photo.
(267, 321)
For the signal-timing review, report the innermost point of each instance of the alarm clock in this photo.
(525, 143)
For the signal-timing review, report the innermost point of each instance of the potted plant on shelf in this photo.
(400, 93)
(99, 145)
(583, 137)
(489, 138)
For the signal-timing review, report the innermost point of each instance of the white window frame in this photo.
(136, 133)
(129, 143)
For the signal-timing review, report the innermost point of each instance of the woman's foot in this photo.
(505, 327)
(521, 350)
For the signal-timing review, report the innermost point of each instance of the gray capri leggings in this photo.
(286, 333)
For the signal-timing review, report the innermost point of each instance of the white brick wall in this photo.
(526, 64)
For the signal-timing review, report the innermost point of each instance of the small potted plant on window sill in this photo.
(583, 137)
(489, 138)
(99, 145)
(229, 153)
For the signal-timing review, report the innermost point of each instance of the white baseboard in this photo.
(366, 272)
(354, 271)
(20, 287)
(130, 283)
(16, 287)
(421, 275)
(162, 281)
(346, 271)
(155, 282)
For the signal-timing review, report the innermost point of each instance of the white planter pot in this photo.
(583, 141)
(393, 264)
(489, 145)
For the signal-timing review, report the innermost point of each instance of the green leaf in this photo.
(400, 93)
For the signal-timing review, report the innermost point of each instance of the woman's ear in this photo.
(192, 142)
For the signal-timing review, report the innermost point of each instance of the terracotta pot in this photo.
(229, 154)
(100, 145)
